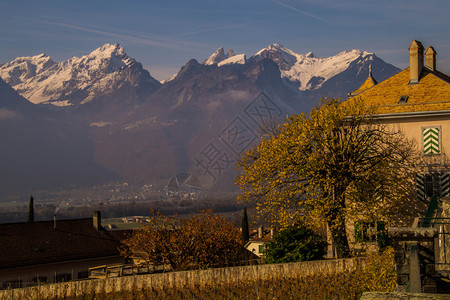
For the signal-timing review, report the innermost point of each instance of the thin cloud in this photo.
(159, 42)
(299, 10)
(214, 29)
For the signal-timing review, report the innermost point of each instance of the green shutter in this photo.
(445, 184)
(261, 248)
(420, 186)
(380, 230)
(431, 140)
(432, 207)
(383, 239)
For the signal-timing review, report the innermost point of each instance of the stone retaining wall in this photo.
(185, 279)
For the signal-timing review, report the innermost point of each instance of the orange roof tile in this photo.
(370, 82)
(431, 93)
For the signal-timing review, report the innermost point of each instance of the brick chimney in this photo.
(415, 61)
(430, 58)
(97, 220)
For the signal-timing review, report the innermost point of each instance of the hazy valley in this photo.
(102, 118)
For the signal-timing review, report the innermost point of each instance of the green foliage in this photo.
(326, 166)
(244, 226)
(295, 243)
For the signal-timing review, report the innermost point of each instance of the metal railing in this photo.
(442, 242)
(120, 270)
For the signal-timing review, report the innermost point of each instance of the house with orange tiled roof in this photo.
(417, 101)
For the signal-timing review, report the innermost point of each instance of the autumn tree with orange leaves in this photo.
(336, 163)
(200, 241)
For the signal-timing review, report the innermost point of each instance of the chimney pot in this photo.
(260, 232)
(97, 220)
(430, 58)
(415, 61)
(273, 231)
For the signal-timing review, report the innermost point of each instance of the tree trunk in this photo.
(336, 223)
(339, 238)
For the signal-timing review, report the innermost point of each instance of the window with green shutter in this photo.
(432, 184)
(431, 140)
(369, 232)
(261, 248)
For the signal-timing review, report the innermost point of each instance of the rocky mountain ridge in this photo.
(106, 70)
(109, 118)
(77, 80)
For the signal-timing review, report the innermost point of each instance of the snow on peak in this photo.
(40, 80)
(275, 47)
(305, 68)
(109, 50)
(22, 68)
(219, 56)
(216, 57)
(283, 57)
(113, 53)
(236, 59)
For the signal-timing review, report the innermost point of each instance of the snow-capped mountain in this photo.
(218, 56)
(22, 69)
(128, 126)
(306, 71)
(236, 59)
(78, 80)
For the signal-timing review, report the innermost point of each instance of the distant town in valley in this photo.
(231, 149)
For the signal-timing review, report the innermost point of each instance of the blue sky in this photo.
(164, 35)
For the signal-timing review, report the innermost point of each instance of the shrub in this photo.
(295, 243)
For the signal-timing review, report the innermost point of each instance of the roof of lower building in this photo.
(24, 244)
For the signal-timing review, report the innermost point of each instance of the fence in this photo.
(442, 242)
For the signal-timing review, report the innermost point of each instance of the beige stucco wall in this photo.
(412, 127)
(253, 246)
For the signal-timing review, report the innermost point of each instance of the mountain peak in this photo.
(218, 56)
(108, 50)
(21, 69)
(77, 80)
(275, 46)
(306, 70)
(36, 59)
(354, 52)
